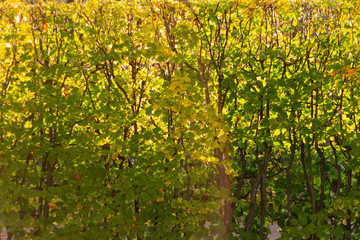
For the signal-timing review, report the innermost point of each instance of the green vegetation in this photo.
(150, 119)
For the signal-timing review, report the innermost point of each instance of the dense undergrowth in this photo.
(148, 119)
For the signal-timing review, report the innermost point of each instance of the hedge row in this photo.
(155, 119)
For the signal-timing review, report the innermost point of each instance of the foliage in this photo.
(151, 119)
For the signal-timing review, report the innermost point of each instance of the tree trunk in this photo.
(224, 185)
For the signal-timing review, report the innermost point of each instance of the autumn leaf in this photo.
(160, 199)
(65, 93)
(44, 25)
(77, 176)
(53, 206)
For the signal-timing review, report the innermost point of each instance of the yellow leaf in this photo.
(277, 132)
(222, 136)
(230, 172)
(65, 93)
(173, 86)
(203, 159)
(8, 134)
